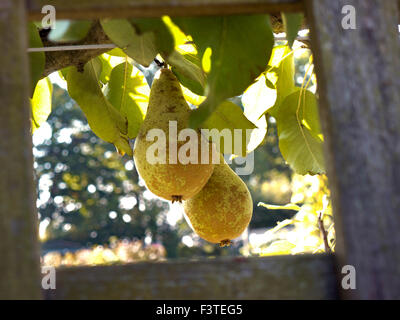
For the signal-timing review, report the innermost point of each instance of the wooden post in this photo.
(19, 259)
(358, 73)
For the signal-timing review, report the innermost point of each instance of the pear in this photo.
(222, 210)
(171, 179)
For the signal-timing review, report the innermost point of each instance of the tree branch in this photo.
(56, 60)
(324, 233)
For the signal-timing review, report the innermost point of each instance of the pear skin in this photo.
(222, 210)
(171, 180)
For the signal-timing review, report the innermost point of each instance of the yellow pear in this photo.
(171, 178)
(222, 210)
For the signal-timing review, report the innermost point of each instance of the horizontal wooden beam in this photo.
(279, 277)
(89, 9)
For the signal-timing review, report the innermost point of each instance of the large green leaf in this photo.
(238, 47)
(164, 40)
(117, 52)
(183, 59)
(36, 59)
(188, 71)
(228, 116)
(104, 120)
(183, 42)
(106, 68)
(41, 103)
(185, 64)
(110, 60)
(129, 92)
(300, 137)
(141, 48)
(292, 23)
(256, 100)
(281, 75)
(69, 31)
(266, 94)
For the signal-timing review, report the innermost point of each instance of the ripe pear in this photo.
(222, 210)
(172, 179)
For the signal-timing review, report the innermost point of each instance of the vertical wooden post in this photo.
(19, 259)
(358, 74)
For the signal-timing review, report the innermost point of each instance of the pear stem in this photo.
(176, 199)
(159, 63)
(225, 243)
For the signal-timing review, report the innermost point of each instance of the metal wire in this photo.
(105, 46)
(73, 47)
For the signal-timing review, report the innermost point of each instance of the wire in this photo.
(105, 46)
(73, 47)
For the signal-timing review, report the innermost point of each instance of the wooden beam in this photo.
(280, 277)
(89, 9)
(19, 261)
(359, 87)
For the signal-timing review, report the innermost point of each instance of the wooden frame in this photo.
(89, 9)
(359, 88)
(19, 264)
(281, 277)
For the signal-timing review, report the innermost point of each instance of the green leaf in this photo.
(281, 74)
(300, 137)
(289, 206)
(117, 52)
(186, 65)
(41, 103)
(129, 93)
(63, 73)
(292, 23)
(110, 61)
(188, 71)
(228, 116)
(163, 38)
(239, 47)
(104, 120)
(180, 38)
(191, 97)
(37, 60)
(256, 100)
(69, 31)
(141, 48)
(106, 68)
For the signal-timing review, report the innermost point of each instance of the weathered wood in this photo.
(19, 261)
(359, 87)
(90, 9)
(280, 277)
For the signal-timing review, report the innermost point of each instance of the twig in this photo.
(324, 234)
